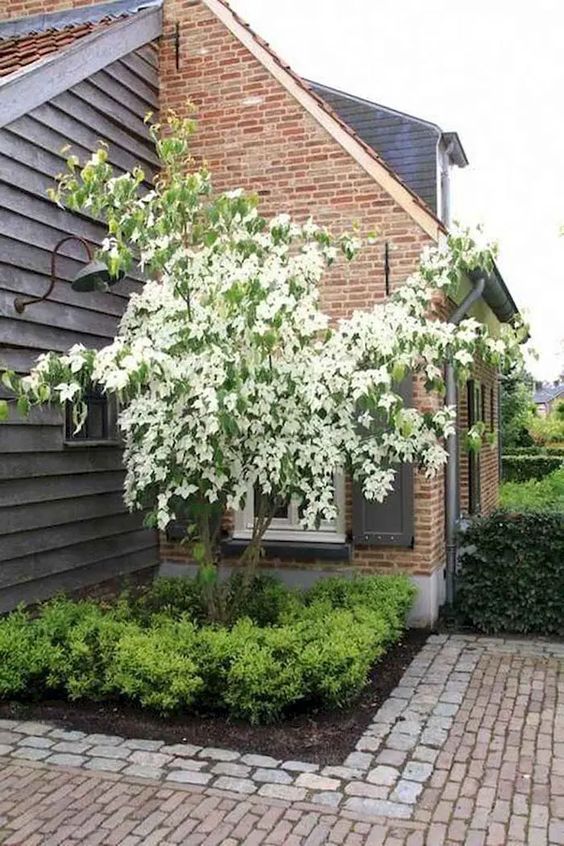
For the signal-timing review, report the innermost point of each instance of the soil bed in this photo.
(324, 736)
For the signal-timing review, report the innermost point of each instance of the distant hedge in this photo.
(549, 449)
(521, 468)
(512, 573)
(555, 449)
(527, 450)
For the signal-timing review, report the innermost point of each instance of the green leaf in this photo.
(398, 372)
(23, 406)
(199, 552)
(7, 379)
(4, 410)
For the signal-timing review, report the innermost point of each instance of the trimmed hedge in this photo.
(534, 495)
(512, 573)
(520, 468)
(549, 449)
(156, 651)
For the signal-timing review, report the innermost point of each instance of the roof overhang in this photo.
(41, 81)
(497, 296)
(454, 149)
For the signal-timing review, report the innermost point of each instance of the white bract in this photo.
(230, 376)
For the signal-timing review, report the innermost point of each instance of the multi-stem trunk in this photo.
(265, 508)
(209, 526)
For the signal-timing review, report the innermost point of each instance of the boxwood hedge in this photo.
(521, 468)
(158, 652)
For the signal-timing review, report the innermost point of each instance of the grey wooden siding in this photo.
(407, 144)
(63, 524)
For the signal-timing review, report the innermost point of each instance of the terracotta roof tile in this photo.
(16, 53)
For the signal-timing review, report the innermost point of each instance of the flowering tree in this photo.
(230, 377)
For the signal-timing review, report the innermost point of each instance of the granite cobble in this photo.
(467, 749)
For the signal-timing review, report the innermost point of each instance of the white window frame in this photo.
(289, 528)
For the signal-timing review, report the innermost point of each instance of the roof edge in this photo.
(497, 296)
(451, 140)
(327, 118)
(455, 150)
(368, 102)
(16, 27)
(24, 90)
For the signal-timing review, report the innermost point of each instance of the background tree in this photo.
(516, 408)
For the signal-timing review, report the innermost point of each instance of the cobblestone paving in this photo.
(468, 749)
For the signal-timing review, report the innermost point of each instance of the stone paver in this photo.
(468, 749)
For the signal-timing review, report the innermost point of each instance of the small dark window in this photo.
(482, 391)
(492, 410)
(100, 423)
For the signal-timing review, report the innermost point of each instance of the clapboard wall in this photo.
(63, 524)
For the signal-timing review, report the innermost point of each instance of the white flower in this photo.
(230, 374)
(67, 391)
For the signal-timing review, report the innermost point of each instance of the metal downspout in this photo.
(452, 507)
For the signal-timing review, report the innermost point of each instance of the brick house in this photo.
(74, 73)
(547, 397)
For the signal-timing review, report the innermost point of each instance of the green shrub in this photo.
(265, 675)
(555, 449)
(535, 494)
(24, 656)
(526, 450)
(545, 430)
(340, 647)
(520, 468)
(390, 596)
(173, 596)
(82, 637)
(155, 666)
(214, 656)
(316, 647)
(512, 573)
(266, 602)
(547, 449)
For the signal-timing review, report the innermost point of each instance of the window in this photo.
(100, 425)
(492, 410)
(285, 525)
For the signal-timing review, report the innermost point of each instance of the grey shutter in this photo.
(474, 474)
(388, 523)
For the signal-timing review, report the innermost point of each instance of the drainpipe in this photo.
(452, 504)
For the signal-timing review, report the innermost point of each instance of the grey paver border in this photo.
(382, 777)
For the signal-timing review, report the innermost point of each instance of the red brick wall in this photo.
(254, 134)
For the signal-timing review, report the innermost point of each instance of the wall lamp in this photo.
(94, 276)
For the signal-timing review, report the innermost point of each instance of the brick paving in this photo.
(469, 749)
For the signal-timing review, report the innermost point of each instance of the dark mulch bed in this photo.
(325, 737)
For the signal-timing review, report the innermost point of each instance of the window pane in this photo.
(96, 426)
(281, 513)
(96, 420)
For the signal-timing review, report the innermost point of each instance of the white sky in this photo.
(493, 70)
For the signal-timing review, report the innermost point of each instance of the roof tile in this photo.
(16, 53)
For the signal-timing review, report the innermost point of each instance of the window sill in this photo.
(87, 444)
(292, 550)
